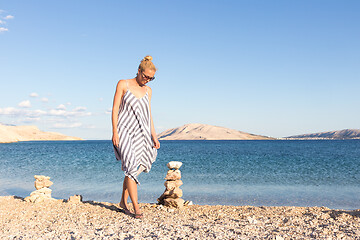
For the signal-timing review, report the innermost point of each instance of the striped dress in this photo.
(134, 128)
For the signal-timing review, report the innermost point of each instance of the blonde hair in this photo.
(146, 63)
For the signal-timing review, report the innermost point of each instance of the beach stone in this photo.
(252, 220)
(41, 177)
(175, 193)
(45, 191)
(174, 165)
(75, 199)
(44, 183)
(39, 195)
(30, 198)
(160, 206)
(170, 185)
(41, 199)
(171, 202)
(173, 175)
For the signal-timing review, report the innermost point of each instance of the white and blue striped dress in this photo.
(134, 128)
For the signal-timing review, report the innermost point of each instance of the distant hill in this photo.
(340, 134)
(10, 133)
(196, 131)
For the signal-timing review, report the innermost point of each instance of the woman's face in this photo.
(146, 76)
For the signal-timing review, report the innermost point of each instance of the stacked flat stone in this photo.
(172, 194)
(42, 192)
(75, 199)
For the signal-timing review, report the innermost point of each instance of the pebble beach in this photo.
(59, 219)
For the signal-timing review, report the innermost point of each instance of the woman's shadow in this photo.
(111, 207)
(335, 214)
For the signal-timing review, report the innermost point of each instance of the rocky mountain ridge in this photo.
(339, 134)
(196, 131)
(9, 133)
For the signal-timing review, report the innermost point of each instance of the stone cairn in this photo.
(42, 192)
(172, 194)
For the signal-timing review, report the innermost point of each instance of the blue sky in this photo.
(275, 68)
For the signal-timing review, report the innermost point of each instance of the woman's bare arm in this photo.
(153, 132)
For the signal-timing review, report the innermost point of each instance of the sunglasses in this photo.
(147, 77)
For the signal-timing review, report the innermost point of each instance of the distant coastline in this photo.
(193, 131)
(10, 134)
(344, 134)
(314, 138)
(196, 131)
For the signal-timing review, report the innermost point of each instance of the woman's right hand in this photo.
(115, 139)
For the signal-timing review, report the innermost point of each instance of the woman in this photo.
(134, 138)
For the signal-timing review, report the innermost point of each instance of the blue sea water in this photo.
(258, 173)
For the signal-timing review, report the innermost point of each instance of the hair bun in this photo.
(148, 58)
(146, 63)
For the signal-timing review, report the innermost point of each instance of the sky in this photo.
(273, 68)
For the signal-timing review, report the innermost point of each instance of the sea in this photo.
(235, 172)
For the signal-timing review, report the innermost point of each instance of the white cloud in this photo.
(101, 99)
(36, 113)
(61, 107)
(59, 117)
(2, 29)
(11, 111)
(9, 17)
(25, 104)
(67, 125)
(64, 113)
(20, 112)
(55, 112)
(2, 22)
(80, 109)
(30, 119)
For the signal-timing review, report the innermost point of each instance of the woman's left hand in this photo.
(156, 143)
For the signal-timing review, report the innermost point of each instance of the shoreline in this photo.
(103, 220)
(85, 199)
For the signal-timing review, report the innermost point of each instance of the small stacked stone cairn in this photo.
(75, 199)
(42, 192)
(172, 194)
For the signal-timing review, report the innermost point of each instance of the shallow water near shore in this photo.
(258, 173)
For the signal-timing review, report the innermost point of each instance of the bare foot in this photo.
(125, 208)
(123, 205)
(138, 214)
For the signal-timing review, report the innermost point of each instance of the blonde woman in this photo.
(134, 138)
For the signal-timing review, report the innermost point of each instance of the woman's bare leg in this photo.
(125, 192)
(132, 189)
(124, 196)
